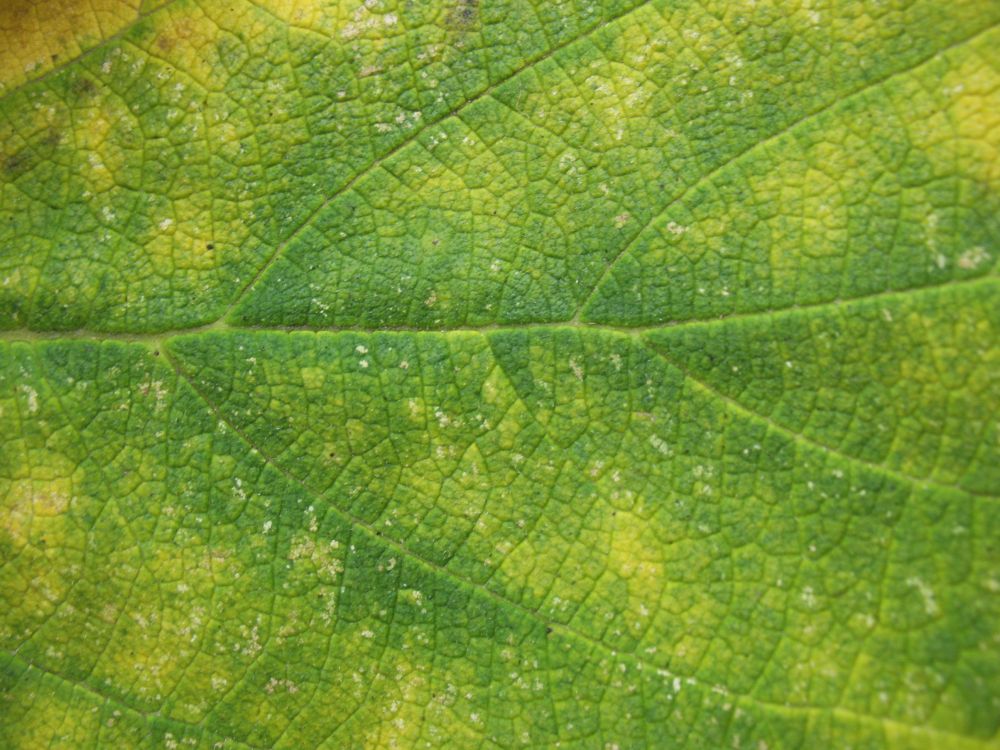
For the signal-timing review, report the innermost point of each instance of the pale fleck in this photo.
(660, 444)
(808, 597)
(973, 258)
(32, 396)
(927, 593)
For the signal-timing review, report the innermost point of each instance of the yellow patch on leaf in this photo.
(38, 35)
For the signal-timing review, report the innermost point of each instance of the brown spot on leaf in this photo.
(52, 138)
(83, 87)
(38, 35)
(178, 31)
(17, 164)
(464, 15)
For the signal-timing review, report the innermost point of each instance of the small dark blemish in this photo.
(210, 246)
(464, 14)
(17, 164)
(548, 630)
(83, 87)
(52, 139)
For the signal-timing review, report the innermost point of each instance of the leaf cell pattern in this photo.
(499, 374)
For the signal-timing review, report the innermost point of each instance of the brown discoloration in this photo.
(39, 35)
(464, 15)
(52, 138)
(165, 42)
(182, 29)
(83, 87)
(14, 15)
(17, 164)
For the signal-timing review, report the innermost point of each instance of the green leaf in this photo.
(499, 373)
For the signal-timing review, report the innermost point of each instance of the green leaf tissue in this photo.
(582, 374)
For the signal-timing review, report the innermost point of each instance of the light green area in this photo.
(588, 186)
(893, 188)
(144, 185)
(645, 394)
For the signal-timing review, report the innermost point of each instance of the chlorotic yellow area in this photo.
(38, 35)
(186, 39)
(147, 6)
(820, 209)
(521, 563)
(411, 707)
(323, 18)
(36, 499)
(105, 160)
(33, 521)
(186, 242)
(62, 714)
(152, 646)
(635, 555)
(974, 87)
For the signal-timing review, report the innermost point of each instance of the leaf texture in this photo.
(499, 374)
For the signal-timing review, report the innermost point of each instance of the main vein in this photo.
(158, 337)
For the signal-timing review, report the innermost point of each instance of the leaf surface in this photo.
(495, 374)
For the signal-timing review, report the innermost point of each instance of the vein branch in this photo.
(101, 697)
(802, 438)
(158, 337)
(527, 613)
(727, 163)
(105, 42)
(316, 212)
